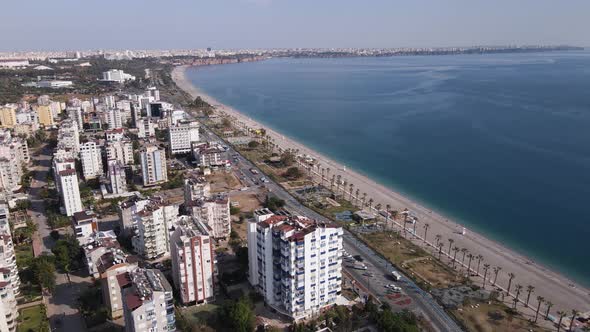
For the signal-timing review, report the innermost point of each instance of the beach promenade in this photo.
(552, 286)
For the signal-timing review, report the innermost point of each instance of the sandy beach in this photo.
(554, 287)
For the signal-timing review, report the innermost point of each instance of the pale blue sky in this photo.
(133, 24)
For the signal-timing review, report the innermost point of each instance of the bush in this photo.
(293, 173)
(233, 210)
(54, 235)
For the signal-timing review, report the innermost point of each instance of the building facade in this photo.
(193, 269)
(117, 177)
(214, 212)
(69, 190)
(152, 224)
(153, 166)
(182, 136)
(91, 159)
(295, 263)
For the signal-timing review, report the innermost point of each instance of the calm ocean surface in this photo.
(500, 143)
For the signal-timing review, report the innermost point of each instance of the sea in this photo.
(498, 142)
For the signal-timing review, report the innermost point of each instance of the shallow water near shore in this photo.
(501, 143)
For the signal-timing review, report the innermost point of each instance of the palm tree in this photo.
(327, 172)
(561, 315)
(529, 290)
(479, 259)
(549, 305)
(426, 226)
(370, 205)
(357, 194)
(394, 214)
(338, 179)
(350, 189)
(440, 246)
(415, 223)
(323, 173)
(574, 314)
(497, 270)
(486, 267)
(378, 207)
(344, 185)
(518, 289)
(540, 300)
(332, 180)
(464, 251)
(438, 237)
(450, 244)
(456, 250)
(510, 277)
(470, 256)
(364, 199)
(387, 211)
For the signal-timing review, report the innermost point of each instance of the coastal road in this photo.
(420, 301)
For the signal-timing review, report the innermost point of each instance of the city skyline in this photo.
(230, 24)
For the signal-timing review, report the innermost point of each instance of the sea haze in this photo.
(500, 143)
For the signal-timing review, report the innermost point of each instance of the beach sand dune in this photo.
(554, 287)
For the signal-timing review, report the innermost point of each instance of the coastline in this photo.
(548, 283)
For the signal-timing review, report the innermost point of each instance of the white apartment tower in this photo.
(214, 212)
(67, 183)
(182, 136)
(91, 160)
(295, 263)
(76, 115)
(193, 268)
(9, 280)
(117, 177)
(121, 150)
(145, 128)
(113, 118)
(153, 166)
(148, 303)
(152, 224)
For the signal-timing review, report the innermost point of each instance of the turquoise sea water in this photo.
(499, 142)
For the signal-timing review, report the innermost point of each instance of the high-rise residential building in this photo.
(117, 177)
(75, 114)
(153, 165)
(295, 263)
(214, 212)
(145, 128)
(117, 75)
(8, 116)
(148, 302)
(45, 116)
(196, 187)
(85, 225)
(67, 183)
(182, 136)
(113, 118)
(14, 155)
(68, 136)
(153, 223)
(9, 279)
(91, 160)
(121, 150)
(193, 262)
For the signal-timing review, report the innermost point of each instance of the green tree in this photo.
(293, 173)
(43, 269)
(253, 144)
(239, 315)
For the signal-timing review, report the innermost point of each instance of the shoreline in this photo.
(548, 283)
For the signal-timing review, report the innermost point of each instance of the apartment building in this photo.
(8, 116)
(69, 190)
(117, 75)
(148, 302)
(68, 136)
(9, 280)
(214, 212)
(295, 263)
(117, 178)
(153, 165)
(14, 155)
(182, 136)
(152, 223)
(193, 262)
(45, 115)
(196, 187)
(208, 155)
(120, 150)
(145, 128)
(75, 114)
(85, 225)
(113, 118)
(91, 159)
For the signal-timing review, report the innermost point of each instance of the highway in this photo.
(378, 272)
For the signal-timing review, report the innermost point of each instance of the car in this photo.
(368, 274)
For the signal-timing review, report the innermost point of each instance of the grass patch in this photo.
(33, 319)
(393, 246)
(24, 255)
(492, 317)
(204, 314)
(435, 273)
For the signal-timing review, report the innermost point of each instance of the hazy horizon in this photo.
(234, 24)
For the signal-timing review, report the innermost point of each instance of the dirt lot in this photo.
(492, 317)
(223, 182)
(248, 202)
(436, 274)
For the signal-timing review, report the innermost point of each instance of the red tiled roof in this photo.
(133, 301)
(123, 279)
(68, 172)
